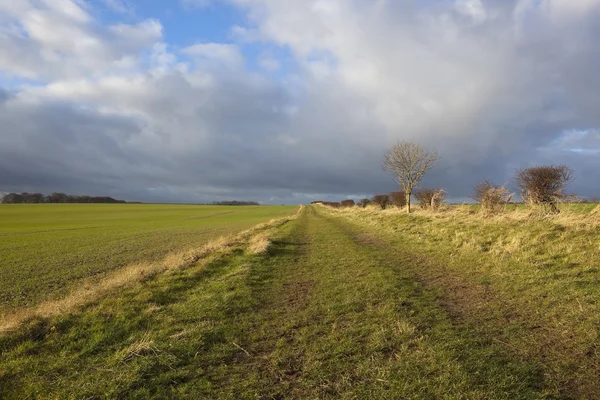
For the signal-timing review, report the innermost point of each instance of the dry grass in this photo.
(93, 289)
(259, 244)
(570, 214)
(140, 348)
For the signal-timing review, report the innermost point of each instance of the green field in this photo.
(46, 249)
(351, 304)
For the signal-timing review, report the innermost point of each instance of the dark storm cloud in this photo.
(493, 85)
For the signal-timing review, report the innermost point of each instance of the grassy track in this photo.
(326, 313)
(46, 249)
(531, 285)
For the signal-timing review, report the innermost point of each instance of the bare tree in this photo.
(491, 197)
(544, 185)
(408, 162)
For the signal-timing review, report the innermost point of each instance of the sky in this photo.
(290, 101)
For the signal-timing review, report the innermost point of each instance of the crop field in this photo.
(337, 304)
(46, 249)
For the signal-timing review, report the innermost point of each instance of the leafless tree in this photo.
(382, 200)
(491, 197)
(544, 185)
(408, 161)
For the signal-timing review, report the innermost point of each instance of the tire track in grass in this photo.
(342, 321)
(519, 325)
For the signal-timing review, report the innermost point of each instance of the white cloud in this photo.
(471, 8)
(60, 39)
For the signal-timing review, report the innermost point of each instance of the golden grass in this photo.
(259, 244)
(466, 213)
(91, 290)
(144, 346)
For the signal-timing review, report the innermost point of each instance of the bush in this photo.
(382, 200)
(348, 203)
(364, 203)
(544, 185)
(492, 198)
(430, 199)
(398, 198)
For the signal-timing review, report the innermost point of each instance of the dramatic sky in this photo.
(286, 101)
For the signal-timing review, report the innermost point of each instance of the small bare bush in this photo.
(544, 185)
(430, 199)
(398, 198)
(492, 198)
(364, 203)
(348, 203)
(382, 200)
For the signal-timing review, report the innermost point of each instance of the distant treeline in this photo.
(29, 198)
(235, 203)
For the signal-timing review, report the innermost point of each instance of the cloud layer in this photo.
(112, 109)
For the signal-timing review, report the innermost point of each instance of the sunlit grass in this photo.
(46, 249)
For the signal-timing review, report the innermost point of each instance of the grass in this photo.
(583, 208)
(47, 249)
(350, 304)
(321, 313)
(530, 283)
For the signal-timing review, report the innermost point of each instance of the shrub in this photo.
(430, 199)
(492, 198)
(364, 203)
(348, 203)
(382, 200)
(544, 185)
(398, 198)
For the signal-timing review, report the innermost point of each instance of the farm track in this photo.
(568, 369)
(341, 320)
